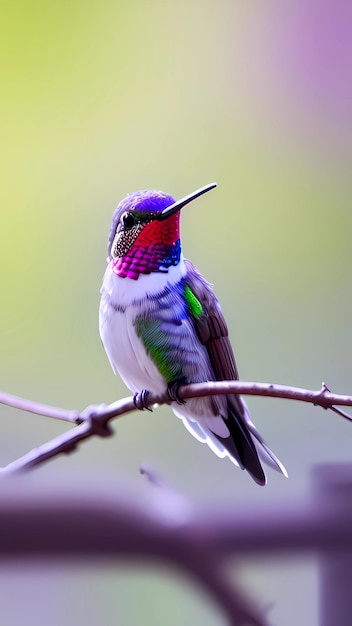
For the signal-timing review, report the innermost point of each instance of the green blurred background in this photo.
(102, 98)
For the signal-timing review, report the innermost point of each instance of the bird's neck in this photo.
(155, 257)
(124, 292)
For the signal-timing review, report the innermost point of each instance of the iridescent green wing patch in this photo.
(157, 344)
(193, 303)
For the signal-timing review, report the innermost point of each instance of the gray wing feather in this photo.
(244, 443)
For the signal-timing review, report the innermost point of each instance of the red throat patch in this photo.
(167, 232)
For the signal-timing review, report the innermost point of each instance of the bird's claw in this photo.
(140, 400)
(173, 389)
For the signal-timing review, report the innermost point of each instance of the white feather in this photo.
(125, 350)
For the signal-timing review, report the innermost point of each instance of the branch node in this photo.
(99, 425)
(320, 395)
(92, 409)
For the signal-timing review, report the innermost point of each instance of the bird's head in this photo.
(145, 232)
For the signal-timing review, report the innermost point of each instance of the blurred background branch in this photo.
(199, 541)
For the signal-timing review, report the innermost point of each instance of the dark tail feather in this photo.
(265, 454)
(241, 446)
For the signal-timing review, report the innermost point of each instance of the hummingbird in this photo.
(162, 326)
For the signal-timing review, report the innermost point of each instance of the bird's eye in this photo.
(128, 220)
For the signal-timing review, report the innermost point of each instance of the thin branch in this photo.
(322, 397)
(95, 420)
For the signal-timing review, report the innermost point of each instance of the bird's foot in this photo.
(140, 400)
(173, 389)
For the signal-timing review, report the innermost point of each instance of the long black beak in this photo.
(177, 206)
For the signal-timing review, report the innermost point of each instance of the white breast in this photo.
(121, 302)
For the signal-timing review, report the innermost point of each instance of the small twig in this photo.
(343, 414)
(152, 476)
(40, 409)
